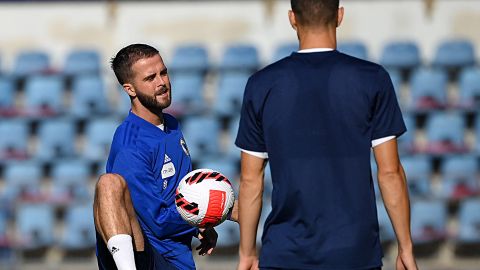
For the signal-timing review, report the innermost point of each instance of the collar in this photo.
(145, 124)
(313, 50)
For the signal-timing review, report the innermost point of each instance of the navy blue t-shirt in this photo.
(316, 114)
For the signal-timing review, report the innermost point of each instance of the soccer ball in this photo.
(204, 198)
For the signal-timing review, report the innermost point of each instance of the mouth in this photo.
(162, 92)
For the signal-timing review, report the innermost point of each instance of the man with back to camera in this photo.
(134, 205)
(315, 115)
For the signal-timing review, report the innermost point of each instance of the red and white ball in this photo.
(204, 198)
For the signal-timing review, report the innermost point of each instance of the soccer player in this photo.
(134, 205)
(315, 115)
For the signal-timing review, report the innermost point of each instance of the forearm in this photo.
(394, 191)
(250, 205)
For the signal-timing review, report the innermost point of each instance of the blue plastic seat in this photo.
(81, 62)
(428, 89)
(445, 133)
(429, 222)
(31, 62)
(354, 48)
(396, 78)
(387, 234)
(402, 55)
(477, 134)
(56, 139)
(44, 95)
(225, 166)
(4, 238)
(187, 93)
(229, 96)
(419, 174)
(190, 58)
(70, 179)
(35, 224)
(284, 50)
(455, 54)
(7, 102)
(232, 150)
(22, 181)
(123, 103)
(406, 142)
(469, 88)
(79, 231)
(469, 222)
(228, 234)
(98, 138)
(458, 177)
(89, 97)
(240, 57)
(14, 135)
(202, 135)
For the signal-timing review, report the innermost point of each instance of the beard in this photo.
(151, 102)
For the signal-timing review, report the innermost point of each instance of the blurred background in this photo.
(60, 104)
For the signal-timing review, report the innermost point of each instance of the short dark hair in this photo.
(315, 12)
(126, 57)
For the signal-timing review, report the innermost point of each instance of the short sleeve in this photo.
(250, 132)
(387, 117)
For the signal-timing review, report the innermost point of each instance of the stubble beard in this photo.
(151, 102)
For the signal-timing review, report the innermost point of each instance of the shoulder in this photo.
(361, 65)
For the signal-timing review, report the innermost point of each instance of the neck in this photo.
(310, 38)
(155, 118)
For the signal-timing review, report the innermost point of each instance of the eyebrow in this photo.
(151, 76)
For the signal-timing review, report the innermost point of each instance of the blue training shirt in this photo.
(316, 114)
(153, 161)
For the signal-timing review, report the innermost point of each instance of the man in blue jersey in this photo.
(315, 115)
(137, 224)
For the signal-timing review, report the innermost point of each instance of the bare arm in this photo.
(393, 186)
(250, 205)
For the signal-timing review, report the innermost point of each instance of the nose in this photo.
(161, 81)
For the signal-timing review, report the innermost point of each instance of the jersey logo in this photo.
(166, 159)
(184, 147)
(114, 250)
(168, 170)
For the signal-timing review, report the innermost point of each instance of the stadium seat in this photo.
(284, 50)
(354, 48)
(229, 95)
(445, 133)
(22, 181)
(123, 103)
(240, 57)
(428, 89)
(81, 62)
(35, 225)
(228, 235)
(70, 181)
(387, 234)
(30, 62)
(477, 134)
(429, 221)
(232, 150)
(79, 231)
(459, 177)
(7, 102)
(468, 234)
(4, 238)
(469, 88)
(202, 136)
(14, 135)
(225, 166)
(401, 55)
(88, 97)
(98, 137)
(56, 139)
(396, 78)
(419, 174)
(44, 95)
(187, 93)
(191, 58)
(406, 142)
(454, 54)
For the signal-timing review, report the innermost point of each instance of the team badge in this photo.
(184, 147)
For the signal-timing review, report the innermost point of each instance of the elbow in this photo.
(392, 172)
